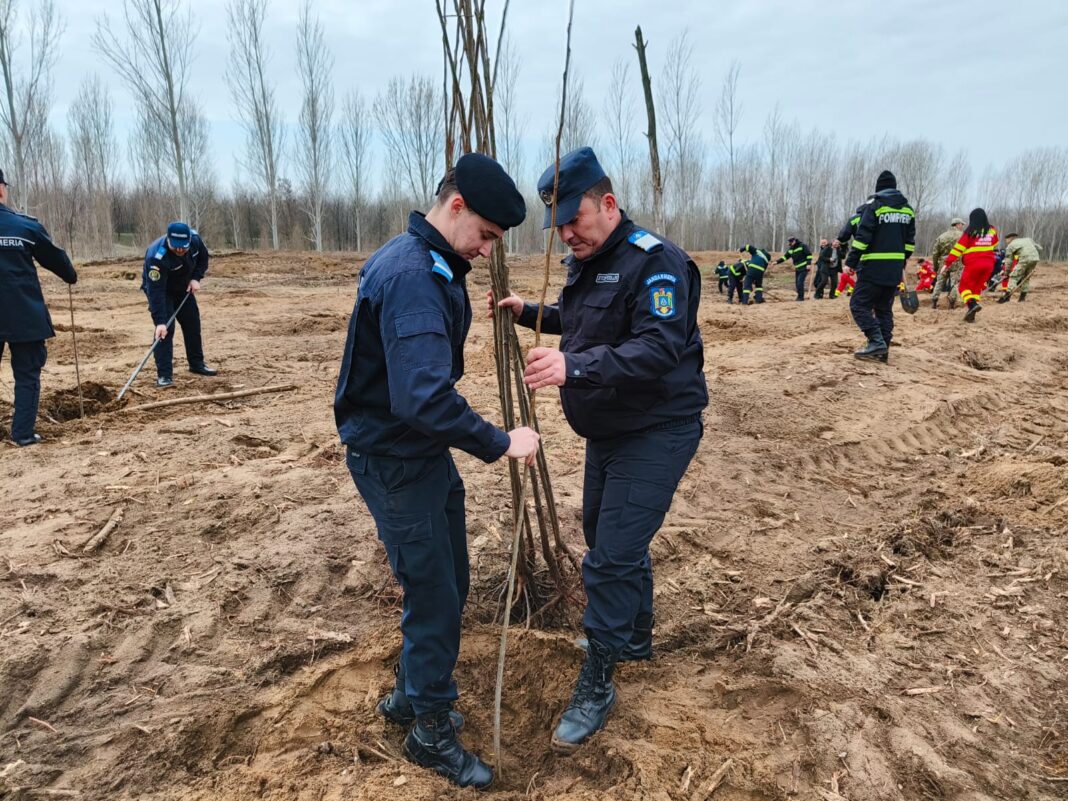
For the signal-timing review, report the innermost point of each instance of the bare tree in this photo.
(254, 98)
(509, 123)
(680, 85)
(956, 180)
(355, 135)
(918, 167)
(94, 150)
(315, 150)
(619, 110)
(655, 176)
(728, 117)
(196, 134)
(154, 64)
(411, 125)
(27, 93)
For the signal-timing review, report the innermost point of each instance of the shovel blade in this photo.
(910, 301)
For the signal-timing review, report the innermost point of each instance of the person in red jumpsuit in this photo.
(975, 248)
(925, 276)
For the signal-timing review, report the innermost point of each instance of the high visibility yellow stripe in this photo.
(909, 248)
(881, 256)
(858, 245)
(902, 210)
(979, 249)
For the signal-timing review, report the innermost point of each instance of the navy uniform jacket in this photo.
(758, 258)
(799, 254)
(632, 348)
(167, 273)
(849, 227)
(23, 313)
(396, 394)
(885, 238)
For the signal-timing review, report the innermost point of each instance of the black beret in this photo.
(489, 191)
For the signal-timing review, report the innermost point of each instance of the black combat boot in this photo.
(953, 300)
(973, 309)
(1005, 297)
(640, 647)
(432, 743)
(1023, 296)
(396, 708)
(875, 351)
(593, 699)
(934, 302)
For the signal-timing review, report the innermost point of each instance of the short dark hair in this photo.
(1012, 236)
(447, 187)
(599, 190)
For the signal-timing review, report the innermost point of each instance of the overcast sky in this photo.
(984, 75)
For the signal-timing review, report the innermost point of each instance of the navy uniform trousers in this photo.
(27, 359)
(872, 307)
(418, 506)
(753, 289)
(800, 281)
(627, 491)
(189, 319)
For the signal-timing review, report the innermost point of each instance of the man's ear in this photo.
(609, 201)
(457, 204)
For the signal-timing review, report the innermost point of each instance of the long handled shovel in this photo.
(77, 369)
(910, 301)
(155, 342)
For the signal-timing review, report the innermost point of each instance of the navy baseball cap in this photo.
(489, 191)
(179, 235)
(579, 170)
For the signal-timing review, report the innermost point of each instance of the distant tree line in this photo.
(324, 189)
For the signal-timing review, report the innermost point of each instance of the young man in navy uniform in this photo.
(175, 264)
(629, 368)
(24, 320)
(398, 412)
(800, 254)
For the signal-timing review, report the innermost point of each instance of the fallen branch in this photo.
(98, 539)
(220, 396)
(715, 781)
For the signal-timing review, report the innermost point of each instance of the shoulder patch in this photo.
(645, 241)
(153, 274)
(441, 267)
(662, 302)
(161, 252)
(652, 279)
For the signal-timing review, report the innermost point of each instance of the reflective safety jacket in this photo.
(758, 259)
(976, 251)
(800, 254)
(850, 226)
(722, 271)
(884, 239)
(737, 269)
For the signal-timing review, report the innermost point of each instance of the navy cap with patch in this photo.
(179, 235)
(579, 170)
(489, 191)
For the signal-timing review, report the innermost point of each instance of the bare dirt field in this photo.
(862, 586)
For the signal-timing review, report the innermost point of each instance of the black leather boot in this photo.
(640, 647)
(593, 699)
(432, 743)
(973, 309)
(1023, 296)
(1005, 297)
(202, 369)
(875, 351)
(396, 708)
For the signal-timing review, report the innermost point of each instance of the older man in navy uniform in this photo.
(24, 320)
(629, 368)
(175, 264)
(398, 412)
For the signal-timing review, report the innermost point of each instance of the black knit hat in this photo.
(886, 180)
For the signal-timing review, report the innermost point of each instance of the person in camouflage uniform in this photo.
(1021, 254)
(948, 277)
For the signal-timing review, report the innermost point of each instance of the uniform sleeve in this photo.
(958, 249)
(846, 232)
(910, 237)
(414, 324)
(156, 290)
(52, 257)
(550, 318)
(658, 336)
(864, 235)
(200, 261)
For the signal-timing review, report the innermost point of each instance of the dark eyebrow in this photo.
(490, 234)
